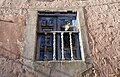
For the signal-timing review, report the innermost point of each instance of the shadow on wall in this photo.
(36, 70)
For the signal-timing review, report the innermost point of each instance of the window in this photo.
(57, 36)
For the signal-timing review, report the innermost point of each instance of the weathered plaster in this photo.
(30, 40)
(102, 21)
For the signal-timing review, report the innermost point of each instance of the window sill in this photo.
(61, 61)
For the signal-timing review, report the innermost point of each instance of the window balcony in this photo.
(58, 45)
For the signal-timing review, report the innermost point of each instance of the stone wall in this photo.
(102, 21)
(11, 37)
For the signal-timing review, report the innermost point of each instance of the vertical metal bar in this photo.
(62, 43)
(71, 46)
(54, 41)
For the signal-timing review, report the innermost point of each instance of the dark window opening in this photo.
(57, 36)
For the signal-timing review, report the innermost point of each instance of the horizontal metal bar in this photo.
(65, 31)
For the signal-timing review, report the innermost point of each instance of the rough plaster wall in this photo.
(12, 22)
(103, 22)
(103, 29)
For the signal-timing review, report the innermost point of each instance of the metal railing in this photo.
(59, 49)
(62, 43)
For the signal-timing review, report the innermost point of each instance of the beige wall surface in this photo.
(102, 23)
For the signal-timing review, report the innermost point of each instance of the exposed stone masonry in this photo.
(103, 28)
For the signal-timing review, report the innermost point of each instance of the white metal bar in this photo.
(54, 41)
(64, 31)
(71, 46)
(62, 43)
